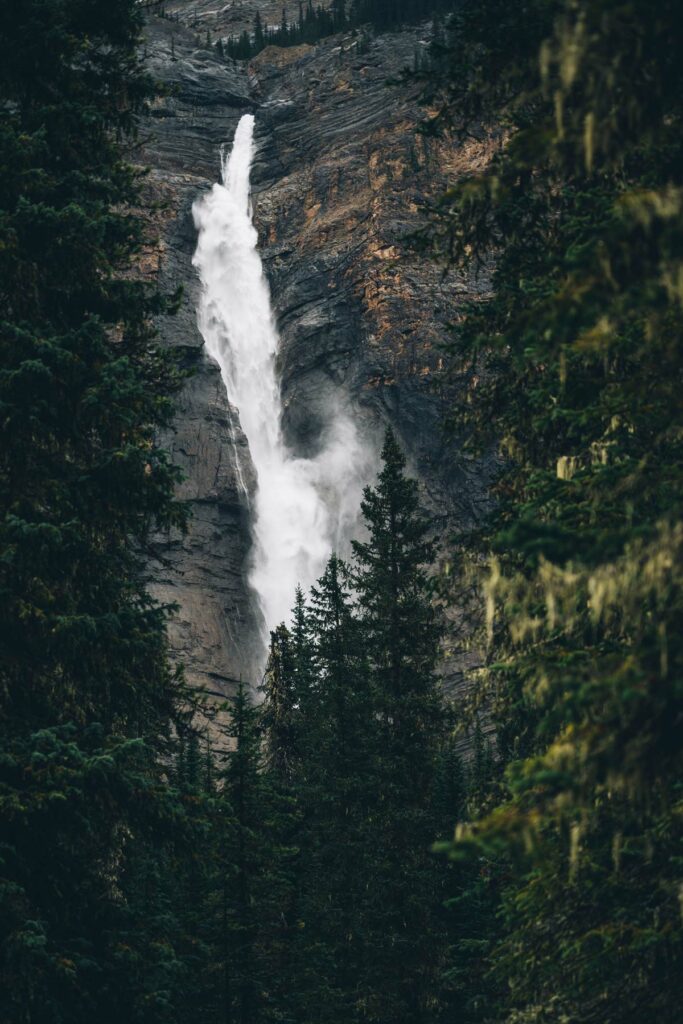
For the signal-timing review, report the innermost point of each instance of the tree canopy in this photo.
(355, 847)
(574, 364)
(87, 697)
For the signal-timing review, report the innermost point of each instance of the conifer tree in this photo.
(303, 650)
(189, 879)
(338, 792)
(580, 347)
(257, 861)
(400, 637)
(314, 23)
(242, 859)
(285, 751)
(88, 702)
(400, 626)
(280, 705)
(338, 14)
(259, 36)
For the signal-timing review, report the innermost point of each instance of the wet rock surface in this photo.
(340, 180)
(216, 632)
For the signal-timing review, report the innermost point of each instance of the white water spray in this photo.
(304, 508)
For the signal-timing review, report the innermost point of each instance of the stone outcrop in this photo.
(340, 180)
(221, 20)
(217, 631)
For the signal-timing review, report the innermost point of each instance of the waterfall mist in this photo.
(303, 507)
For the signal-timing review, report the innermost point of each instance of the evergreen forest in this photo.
(311, 23)
(351, 844)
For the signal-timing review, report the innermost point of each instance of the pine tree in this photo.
(400, 637)
(280, 705)
(281, 717)
(88, 701)
(314, 23)
(259, 36)
(338, 14)
(337, 793)
(244, 789)
(289, 685)
(189, 879)
(303, 649)
(580, 347)
(399, 621)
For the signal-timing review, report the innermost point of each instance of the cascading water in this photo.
(304, 508)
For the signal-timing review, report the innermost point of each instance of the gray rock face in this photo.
(204, 98)
(339, 181)
(221, 20)
(217, 631)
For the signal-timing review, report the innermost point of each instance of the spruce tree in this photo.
(242, 858)
(280, 705)
(338, 793)
(88, 702)
(188, 878)
(578, 352)
(400, 631)
(400, 626)
(257, 863)
(259, 36)
(302, 650)
(281, 716)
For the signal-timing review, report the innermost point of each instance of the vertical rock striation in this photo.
(215, 632)
(340, 180)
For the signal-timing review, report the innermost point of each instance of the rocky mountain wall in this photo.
(340, 181)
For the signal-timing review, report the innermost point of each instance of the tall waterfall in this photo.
(304, 508)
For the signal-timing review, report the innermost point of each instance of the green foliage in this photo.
(284, 872)
(314, 23)
(87, 699)
(574, 365)
(353, 728)
(241, 858)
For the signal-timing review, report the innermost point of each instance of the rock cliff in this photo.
(340, 180)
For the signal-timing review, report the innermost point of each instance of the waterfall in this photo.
(303, 507)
